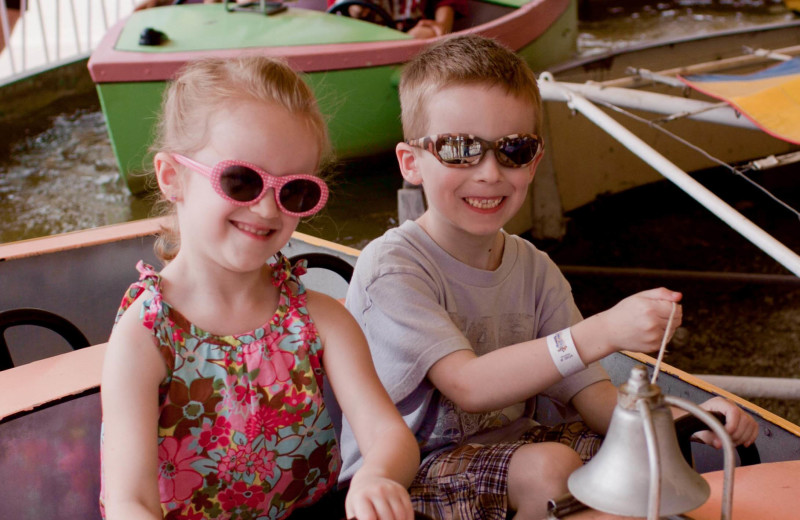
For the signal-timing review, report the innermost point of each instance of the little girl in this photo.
(211, 388)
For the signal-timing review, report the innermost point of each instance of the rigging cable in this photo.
(732, 169)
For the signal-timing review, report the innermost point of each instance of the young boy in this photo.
(466, 323)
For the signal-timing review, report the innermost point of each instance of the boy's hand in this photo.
(742, 428)
(378, 498)
(638, 322)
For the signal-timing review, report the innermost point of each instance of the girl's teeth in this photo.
(255, 231)
(484, 203)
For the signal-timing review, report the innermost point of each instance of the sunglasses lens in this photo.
(300, 195)
(459, 149)
(241, 183)
(517, 151)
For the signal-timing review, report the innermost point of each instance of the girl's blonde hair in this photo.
(206, 86)
(457, 61)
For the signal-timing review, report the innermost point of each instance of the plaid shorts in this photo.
(470, 482)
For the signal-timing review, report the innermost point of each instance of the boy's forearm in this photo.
(514, 373)
(495, 380)
(591, 339)
(595, 404)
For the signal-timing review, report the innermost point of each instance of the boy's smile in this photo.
(468, 206)
(483, 203)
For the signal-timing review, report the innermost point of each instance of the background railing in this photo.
(52, 32)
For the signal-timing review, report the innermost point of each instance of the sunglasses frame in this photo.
(214, 174)
(429, 143)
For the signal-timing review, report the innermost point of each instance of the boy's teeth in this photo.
(483, 203)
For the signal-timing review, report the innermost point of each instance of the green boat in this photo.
(352, 65)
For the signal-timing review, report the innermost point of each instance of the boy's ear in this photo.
(169, 179)
(409, 166)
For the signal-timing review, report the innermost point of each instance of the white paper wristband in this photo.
(565, 355)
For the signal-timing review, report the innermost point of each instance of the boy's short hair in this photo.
(462, 60)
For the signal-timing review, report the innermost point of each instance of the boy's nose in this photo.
(488, 170)
(267, 207)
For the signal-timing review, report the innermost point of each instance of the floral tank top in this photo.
(243, 430)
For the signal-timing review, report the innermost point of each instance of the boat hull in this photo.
(355, 83)
(604, 166)
(50, 409)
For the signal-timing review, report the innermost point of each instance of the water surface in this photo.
(61, 175)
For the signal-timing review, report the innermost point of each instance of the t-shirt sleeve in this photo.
(407, 329)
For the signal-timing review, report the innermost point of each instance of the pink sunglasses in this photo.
(244, 184)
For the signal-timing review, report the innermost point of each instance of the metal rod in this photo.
(703, 276)
(654, 500)
(786, 388)
(727, 449)
(730, 216)
(717, 66)
(41, 27)
(6, 28)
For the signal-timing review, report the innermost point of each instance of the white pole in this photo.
(655, 103)
(730, 216)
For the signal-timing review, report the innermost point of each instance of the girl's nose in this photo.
(267, 207)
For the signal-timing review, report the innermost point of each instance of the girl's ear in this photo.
(169, 179)
(409, 165)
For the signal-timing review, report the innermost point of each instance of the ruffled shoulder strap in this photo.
(149, 280)
(283, 271)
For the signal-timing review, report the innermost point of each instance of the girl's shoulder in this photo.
(145, 292)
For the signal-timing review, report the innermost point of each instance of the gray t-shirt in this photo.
(417, 304)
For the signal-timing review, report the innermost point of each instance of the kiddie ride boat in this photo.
(352, 65)
(50, 410)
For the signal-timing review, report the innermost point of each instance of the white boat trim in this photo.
(556, 91)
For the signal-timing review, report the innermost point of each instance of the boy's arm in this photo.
(596, 403)
(389, 450)
(515, 373)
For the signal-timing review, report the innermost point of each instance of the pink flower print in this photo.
(215, 435)
(177, 479)
(295, 398)
(177, 334)
(243, 394)
(309, 332)
(235, 398)
(184, 515)
(273, 365)
(246, 462)
(241, 494)
(300, 268)
(266, 421)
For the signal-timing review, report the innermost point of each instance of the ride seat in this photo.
(40, 318)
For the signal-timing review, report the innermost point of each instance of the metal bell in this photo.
(620, 478)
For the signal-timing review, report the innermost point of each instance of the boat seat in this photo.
(326, 261)
(40, 318)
